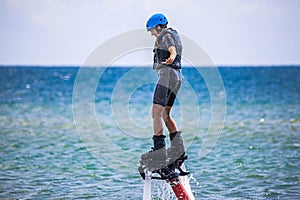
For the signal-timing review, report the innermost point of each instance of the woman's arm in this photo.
(172, 57)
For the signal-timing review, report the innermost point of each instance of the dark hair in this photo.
(163, 25)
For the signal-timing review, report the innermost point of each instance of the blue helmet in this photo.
(155, 20)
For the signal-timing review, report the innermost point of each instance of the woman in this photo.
(167, 63)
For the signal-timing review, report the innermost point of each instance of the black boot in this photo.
(157, 157)
(156, 160)
(160, 153)
(159, 142)
(177, 149)
(176, 152)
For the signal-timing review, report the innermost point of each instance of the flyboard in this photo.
(177, 178)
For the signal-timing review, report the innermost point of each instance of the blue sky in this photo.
(233, 32)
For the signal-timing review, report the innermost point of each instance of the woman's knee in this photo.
(166, 112)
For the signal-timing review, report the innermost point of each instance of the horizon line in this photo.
(223, 65)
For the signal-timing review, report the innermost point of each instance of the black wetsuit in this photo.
(169, 76)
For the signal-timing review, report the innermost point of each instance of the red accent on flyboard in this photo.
(179, 190)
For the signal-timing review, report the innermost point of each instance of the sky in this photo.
(232, 32)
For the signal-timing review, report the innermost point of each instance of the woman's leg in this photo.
(169, 121)
(157, 112)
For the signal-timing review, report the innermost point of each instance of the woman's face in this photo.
(154, 32)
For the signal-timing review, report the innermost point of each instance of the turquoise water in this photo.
(43, 156)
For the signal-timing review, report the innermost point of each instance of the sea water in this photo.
(73, 133)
